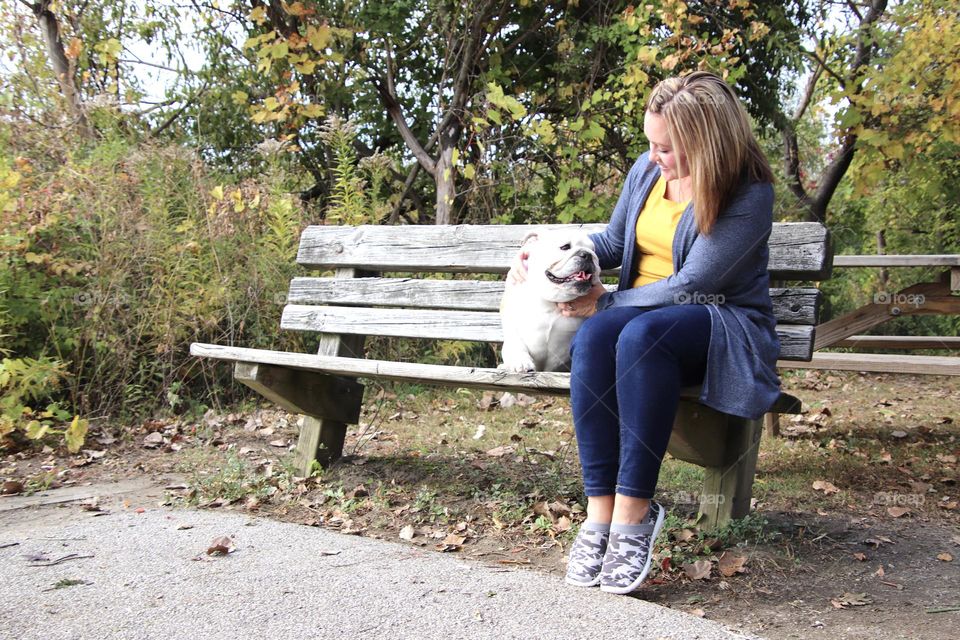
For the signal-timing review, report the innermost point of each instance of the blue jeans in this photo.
(627, 368)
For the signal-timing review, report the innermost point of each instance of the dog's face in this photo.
(562, 264)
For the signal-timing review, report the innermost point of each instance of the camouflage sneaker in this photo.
(586, 555)
(629, 553)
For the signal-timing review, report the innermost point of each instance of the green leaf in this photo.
(36, 430)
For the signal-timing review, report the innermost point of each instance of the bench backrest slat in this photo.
(482, 326)
(798, 250)
(790, 305)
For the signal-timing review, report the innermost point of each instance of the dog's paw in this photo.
(518, 365)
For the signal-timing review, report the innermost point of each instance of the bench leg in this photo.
(727, 489)
(771, 425)
(321, 440)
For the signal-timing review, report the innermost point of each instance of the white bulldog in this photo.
(561, 266)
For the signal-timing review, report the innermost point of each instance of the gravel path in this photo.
(149, 577)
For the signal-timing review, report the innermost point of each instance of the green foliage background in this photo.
(173, 221)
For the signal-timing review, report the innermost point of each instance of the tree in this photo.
(889, 73)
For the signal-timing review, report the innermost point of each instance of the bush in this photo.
(114, 261)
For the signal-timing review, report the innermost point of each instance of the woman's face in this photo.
(673, 165)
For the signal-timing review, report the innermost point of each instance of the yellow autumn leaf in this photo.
(75, 48)
(319, 37)
(76, 434)
(297, 9)
(217, 192)
(259, 15)
(312, 111)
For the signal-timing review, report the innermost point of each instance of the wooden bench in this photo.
(360, 300)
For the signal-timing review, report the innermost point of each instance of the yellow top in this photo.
(656, 227)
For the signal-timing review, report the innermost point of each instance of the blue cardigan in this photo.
(726, 270)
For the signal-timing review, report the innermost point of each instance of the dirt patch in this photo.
(872, 552)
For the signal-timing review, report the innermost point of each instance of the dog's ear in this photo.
(530, 238)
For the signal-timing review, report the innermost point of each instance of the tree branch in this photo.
(173, 117)
(387, 92)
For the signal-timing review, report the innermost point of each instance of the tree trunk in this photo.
(445, 177)
(50, 28)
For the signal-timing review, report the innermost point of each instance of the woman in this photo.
(693, 307)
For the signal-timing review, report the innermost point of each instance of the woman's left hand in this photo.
(584, 306)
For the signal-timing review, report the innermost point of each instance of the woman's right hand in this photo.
(518, 268)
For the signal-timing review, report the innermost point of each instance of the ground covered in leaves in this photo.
(855, 532)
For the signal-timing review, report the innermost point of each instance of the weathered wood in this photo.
(321, 437)
(796, 341)
(880, 363)
(955, 279)
(728, 488)
(798, 249)
(900, 342)
(790, 305)
(469, 377)
(771, 425)
(886, 260)
(699, 435)
(922, 298)
(303, 392)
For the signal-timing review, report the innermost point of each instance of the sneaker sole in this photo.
(592, 583)
(646, 567)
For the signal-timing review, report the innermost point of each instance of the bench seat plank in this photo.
(472, 377)
(547, 383)
(798, 250)
(796, 341)
(790, 305)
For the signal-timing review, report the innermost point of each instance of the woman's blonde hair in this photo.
(707, 123)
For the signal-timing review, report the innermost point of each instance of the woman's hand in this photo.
(518, 268)
(584, 306)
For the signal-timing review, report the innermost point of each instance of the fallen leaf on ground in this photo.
(452, 542)
(11, 487)
(684, 535)
(220, 546)
(499, 452)
(827, 487)
(407, 532)
(700, 613)
(730, 564)
(153, 440)
(862, 557)
(898, 512)
(879, 572)
(851, 600)
(698, 570)
(945, 557)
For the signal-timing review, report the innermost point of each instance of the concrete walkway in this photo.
(147, 575)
